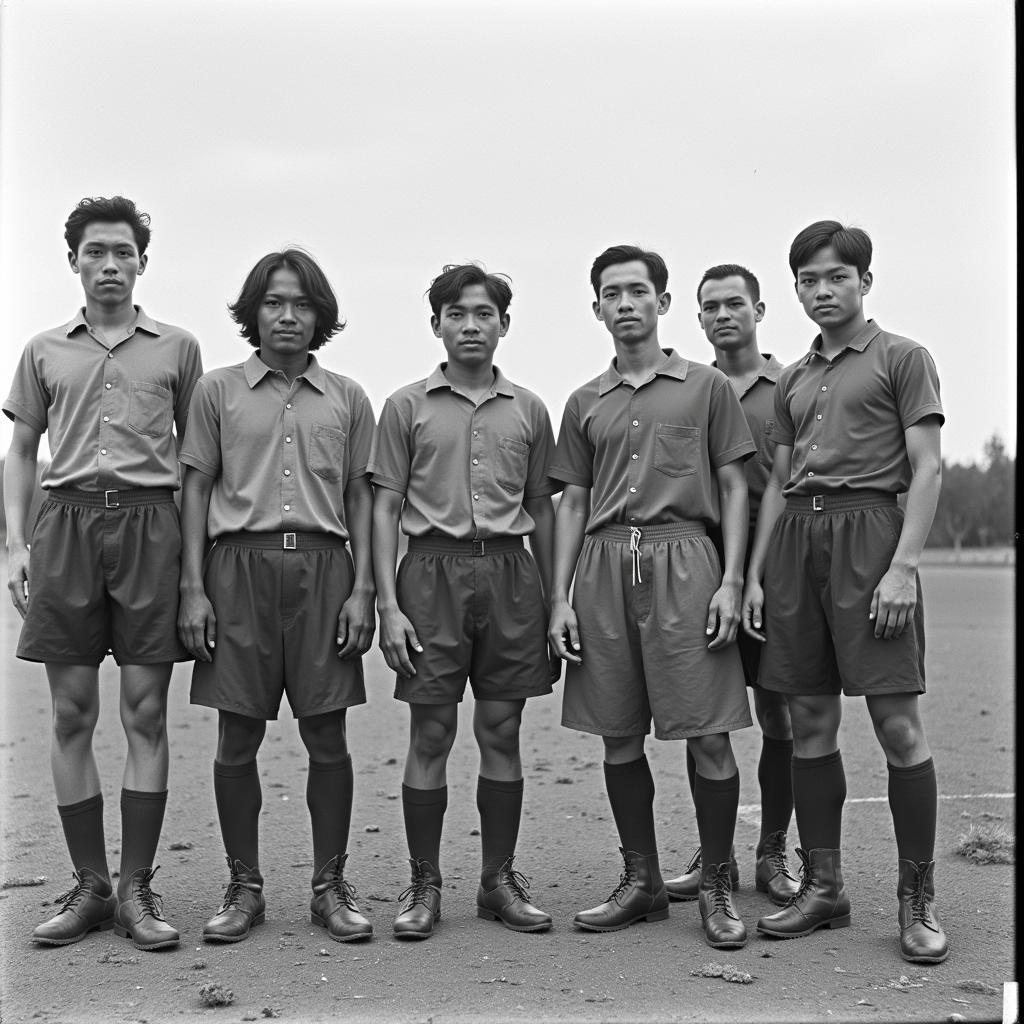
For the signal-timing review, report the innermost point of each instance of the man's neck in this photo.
(110, 320)
(741, 362)
(473, 381)
(638, 360)
(833, 342)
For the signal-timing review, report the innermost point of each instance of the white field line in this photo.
(754, 810)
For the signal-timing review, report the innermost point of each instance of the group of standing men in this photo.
(719, 527)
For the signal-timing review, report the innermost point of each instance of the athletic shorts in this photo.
(642, 612)
(103, 578)
(479, 612)
(277, 613)
(820, 574)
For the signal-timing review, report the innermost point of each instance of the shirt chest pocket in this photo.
(327, 451)
(676, 450)
(150, 409)
(510, 464)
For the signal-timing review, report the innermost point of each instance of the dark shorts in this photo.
(277, 627)
(645, 652)
(104, 580)
(478, 616)
(821, 571)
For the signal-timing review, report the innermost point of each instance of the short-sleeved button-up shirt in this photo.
(281, 452)
(845, 417)
(111, 409)
(648, 454)
(758, 403)
(464, 468)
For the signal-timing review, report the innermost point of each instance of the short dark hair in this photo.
(852, 245)
(454, 277)
(656, 268)
(724, 270)
(115, 210)
(317, 288)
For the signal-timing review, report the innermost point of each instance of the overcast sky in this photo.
(389, 138)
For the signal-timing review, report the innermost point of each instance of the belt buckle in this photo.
(479, 547)
(111, 502)
(289, 542)
(818, 503)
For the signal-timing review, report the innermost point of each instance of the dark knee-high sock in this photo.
(913, 801)
(775, 777)
(424, 819)
(716, 802)
(239, 796)
(142, 817)
(329, 799)
(691, 768)
(631, 793)
(819, 791)
(501, 807)
(83, 832)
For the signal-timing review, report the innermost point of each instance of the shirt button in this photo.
(632, 490)
(476, 433)
(103, 451)
(824, 387)
(810, 474)
(106, 419)
(636, 423)
(476, 497)
(818, 416)
(476, 462)
(108, 386)
(287, 472)
(288, 405)
(814, 447)
(287, 508)
(634, 456)
(110, 355)
(287, 440)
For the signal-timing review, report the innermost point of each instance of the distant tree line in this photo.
(976, 506)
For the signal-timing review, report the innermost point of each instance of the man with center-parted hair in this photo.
(650, 454)
(275, 457)
(112, 389)
(461, 457)
(729, 308)
(857, 422)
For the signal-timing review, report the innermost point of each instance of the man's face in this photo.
(108, 263)
(627, 303)
(470, 327)
(831, 291)
(728, 314)
(286, 319)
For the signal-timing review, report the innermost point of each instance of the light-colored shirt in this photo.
(649, 453)
(281, 452)
(111, 409)
(845, 417)
(465, 468)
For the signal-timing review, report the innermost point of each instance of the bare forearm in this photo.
(386, 513)
(195, 506)
(542, 540)
(359, 519)
(20, 469)
(922, 498)
(570, 527)
(735, 517)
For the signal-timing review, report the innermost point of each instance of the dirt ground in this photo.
(472, 970)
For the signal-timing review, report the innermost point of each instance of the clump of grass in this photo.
(987, 844)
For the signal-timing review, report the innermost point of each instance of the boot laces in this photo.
(516, 881)
(806, 876)
(919, 899)
(70, 898)
(149, 901)
(345, 889)
(774, 851)
(418, 890)
(626, 879)
(694, 864)
(721, 889)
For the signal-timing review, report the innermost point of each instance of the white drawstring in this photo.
(634, 550)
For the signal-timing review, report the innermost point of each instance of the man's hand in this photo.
(356, 626)
(564, 633)
(197, 624)
(893, 602)
(753, 610)
(17, 580)
(396, 637)
(723, 614)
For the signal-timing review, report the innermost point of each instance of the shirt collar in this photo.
(143, 322)
(501, 385)
(858, 343)
(674, 366)
(313, 374)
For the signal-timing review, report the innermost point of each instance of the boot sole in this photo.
(729, 944)
(835, 922)
(213, 937)
(925, 959)
(354, 937)
(419, 935)
(654, 915)
(124, 933)
(103, 926)
(679, 898)
(490, 915)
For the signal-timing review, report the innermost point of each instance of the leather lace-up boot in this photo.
(509, 902)
(333, 905)
(922, 940)
(687, 885)
(820, 902)
(639, 896)
(771, 871)
(723, 928)
(89, 904)
(140, 917)
(242, 908)
(421, 903)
